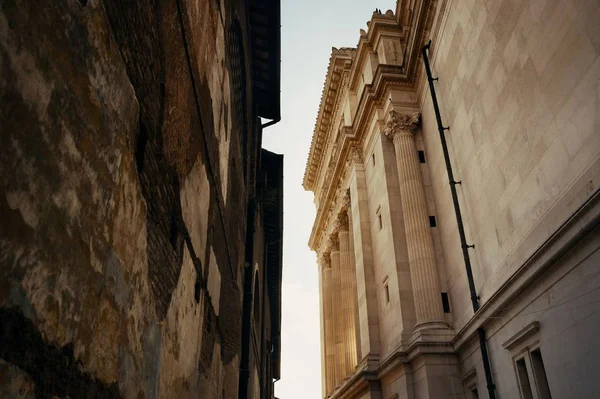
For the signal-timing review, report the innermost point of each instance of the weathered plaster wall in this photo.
(122, 197)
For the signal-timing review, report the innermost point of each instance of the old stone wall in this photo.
(126, 133)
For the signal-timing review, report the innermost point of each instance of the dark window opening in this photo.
(445, 302)
(421, 156)
(197, 291)
(387, 293)
(373, 157)
(432, 221)
(380, 222)
(539, 374)
(524, 385)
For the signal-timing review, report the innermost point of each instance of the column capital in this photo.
(325, 260)
(404, 124)
(341, 223)
(333, 245)
(345, 201)
(354, 156)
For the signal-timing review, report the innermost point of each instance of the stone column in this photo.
(328, 328)
(368, 317)
(421, 255)
(336, 278)
(347, 293)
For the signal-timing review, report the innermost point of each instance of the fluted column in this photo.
(347, 291)
(328, 327)
(421, 255)
(336, 278)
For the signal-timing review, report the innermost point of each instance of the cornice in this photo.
(330, 96)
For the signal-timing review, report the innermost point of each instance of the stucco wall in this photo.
(122, 199)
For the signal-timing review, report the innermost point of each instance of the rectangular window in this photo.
(432, 221)
(523, 379)
(539, 374)
(445, 302)
(373, 157)
(380, 222)
(528, 363)
(421, 156)
(387, 293)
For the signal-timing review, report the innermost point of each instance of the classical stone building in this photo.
(458, 239)
(140, 220)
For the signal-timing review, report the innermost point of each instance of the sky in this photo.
(309, 29)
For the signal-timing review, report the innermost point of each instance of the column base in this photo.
(436, 376)
(439, 333)
(432, 325)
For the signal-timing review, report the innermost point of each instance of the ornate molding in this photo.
(334, 88)
(401, 124)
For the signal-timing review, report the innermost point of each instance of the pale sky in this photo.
(309, 29)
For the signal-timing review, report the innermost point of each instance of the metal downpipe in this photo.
(459, 221)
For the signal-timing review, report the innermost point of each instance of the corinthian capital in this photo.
(333, 244)
(345, 201)
(325, 260)
(354, 156)
(341, 223)
(401, 124)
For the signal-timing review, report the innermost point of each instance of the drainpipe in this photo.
(459, 221)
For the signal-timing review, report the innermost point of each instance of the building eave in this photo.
(265, 38)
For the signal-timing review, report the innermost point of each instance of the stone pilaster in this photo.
(421, 255)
